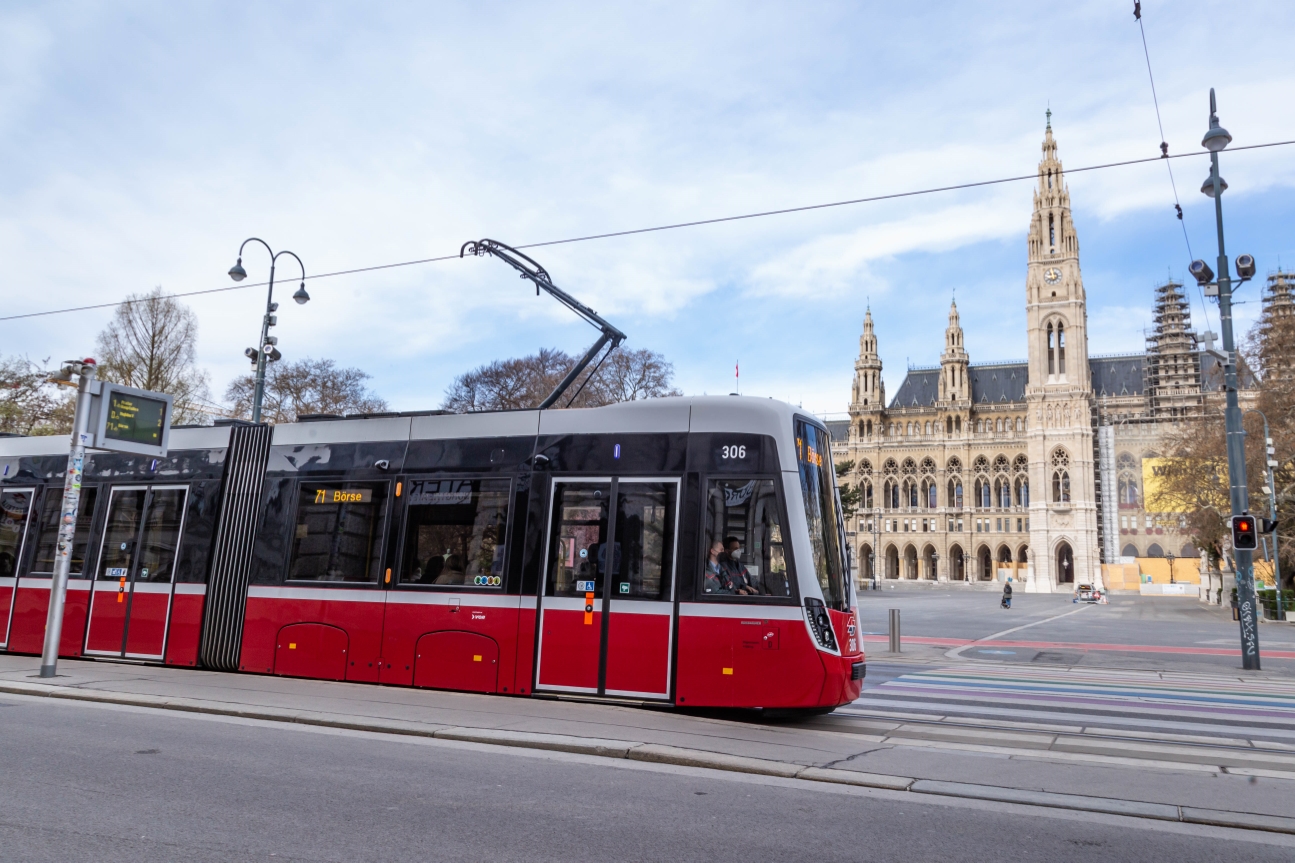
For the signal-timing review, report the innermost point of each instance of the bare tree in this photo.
(29, 404)
(524, 382)
(151, 343)
(305, 387)
(627, 376)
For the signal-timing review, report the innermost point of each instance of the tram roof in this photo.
(717, 414)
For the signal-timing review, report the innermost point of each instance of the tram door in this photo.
(131, 604)
(15, 512)
(606, 614)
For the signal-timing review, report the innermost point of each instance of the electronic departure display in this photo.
(125, 419)
(135, 419)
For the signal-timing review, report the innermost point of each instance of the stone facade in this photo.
(1025, 470)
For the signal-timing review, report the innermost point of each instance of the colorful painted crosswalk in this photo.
(1178, 703)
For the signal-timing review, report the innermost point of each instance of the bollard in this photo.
(894, 630)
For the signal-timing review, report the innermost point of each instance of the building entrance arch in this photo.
(1065, 564)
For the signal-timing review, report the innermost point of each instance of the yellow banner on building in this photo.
(1154, 472)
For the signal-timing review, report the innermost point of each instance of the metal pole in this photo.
(1244, 558)
(259, 393)
(894, 630)
(1269, 463)
(67, 521)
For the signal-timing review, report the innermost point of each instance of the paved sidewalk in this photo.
(1161, 776)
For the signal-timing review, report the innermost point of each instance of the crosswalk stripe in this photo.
(1135, 699)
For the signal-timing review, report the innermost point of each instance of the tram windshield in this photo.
(814, 457)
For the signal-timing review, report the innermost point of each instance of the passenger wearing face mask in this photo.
(735, 573)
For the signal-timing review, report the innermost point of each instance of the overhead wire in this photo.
(658, 228)
(1164, 154)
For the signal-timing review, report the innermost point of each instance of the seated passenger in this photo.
(715, 579)
(739, 580)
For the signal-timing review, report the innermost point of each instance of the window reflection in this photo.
(745, 555)
(456, 531)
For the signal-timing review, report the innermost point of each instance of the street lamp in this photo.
(1170, 558)
(1215, 140)
(266, 350)
(966, 565)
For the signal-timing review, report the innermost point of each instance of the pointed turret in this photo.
(954, 384)
(869, 391)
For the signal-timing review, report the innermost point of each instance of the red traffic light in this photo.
(1245, 533)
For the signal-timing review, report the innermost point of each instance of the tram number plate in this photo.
(584, 587)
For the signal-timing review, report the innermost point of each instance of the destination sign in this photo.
(317, 495)
(134, 419)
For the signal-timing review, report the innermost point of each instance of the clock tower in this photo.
(1063, 509)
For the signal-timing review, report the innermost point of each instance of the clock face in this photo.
(1052, 275)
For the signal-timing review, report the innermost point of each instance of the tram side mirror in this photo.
(382, 464)
(541, 461)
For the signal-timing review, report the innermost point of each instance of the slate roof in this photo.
(1121, 375)
(990, 383)
(838, 429)
(1118, 376)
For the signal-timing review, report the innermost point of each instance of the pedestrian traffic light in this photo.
(1245, 533)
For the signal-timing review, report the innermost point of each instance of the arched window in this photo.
(908, 429)
(948, 425)
(1052, 231)
(1022, 492)
(912, 494)
(1129, 551)
(869, 428)
(985, 500)
(1019, 424)
(955, 493)
(1060, 486)
(1052, 351)
(1003, 490)
(932, 499)
(928, 426)
(1061, 349)
(867, 495)
(1155, 551)
(957, 424)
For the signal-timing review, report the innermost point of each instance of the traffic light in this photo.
(1245, 533)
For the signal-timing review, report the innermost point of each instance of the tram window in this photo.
(455, 532)
(47, 542)
(645, 514)
(338, 531)
(745, 510)
(817, 487)
(578, 548)
(15, 506)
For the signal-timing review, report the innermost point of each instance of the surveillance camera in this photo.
(251, 353)
(1201, 271)
(1245, 266)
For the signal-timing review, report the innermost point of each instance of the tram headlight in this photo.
(820, 622)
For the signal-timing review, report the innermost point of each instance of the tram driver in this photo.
(738, 576)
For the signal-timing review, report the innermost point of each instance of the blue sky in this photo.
(142, 142)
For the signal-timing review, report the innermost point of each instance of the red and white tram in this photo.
(682, 550)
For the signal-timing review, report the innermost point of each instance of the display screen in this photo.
(136, 419)
(330, 496)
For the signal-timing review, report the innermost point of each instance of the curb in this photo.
(662, 754)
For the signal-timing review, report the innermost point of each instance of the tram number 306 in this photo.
(733, 452)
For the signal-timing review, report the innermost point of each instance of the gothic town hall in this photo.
(1034, 470)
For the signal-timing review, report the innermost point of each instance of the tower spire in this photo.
(953, 361)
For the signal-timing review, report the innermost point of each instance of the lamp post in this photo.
(1270, 462)
(1215, 140)
(1170, 558)
(966, 565)
(266, 349)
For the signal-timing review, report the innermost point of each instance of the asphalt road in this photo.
(1132, 620)
(92, 783)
